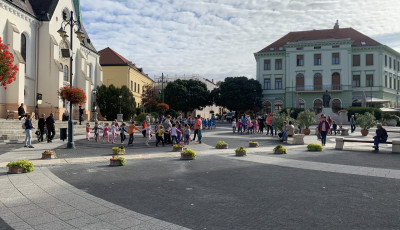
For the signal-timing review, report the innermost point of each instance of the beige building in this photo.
(118, 71)
(30, 27)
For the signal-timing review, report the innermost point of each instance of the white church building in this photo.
(30, 28)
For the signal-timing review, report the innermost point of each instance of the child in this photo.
(180, 133)
(88, 131)
(96, 129)
(205, 124)
(113, 132)
(174, 133)
(122, 130)
(116, 126)
(240, 126)
(334, 127)
(156, 126)
(159, 135)
(187, 134)
(249, 127)
(105, 132)
(144, 125)
(209, 124)
(234, 125)
(148, 131)
(131, 132)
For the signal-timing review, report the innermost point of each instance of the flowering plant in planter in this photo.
(119, 150)
(8, 71)
(74, 95)
(279, 149)
(188, 154)
(177, 147)
(117, 161)
(48, 154)
(25, 165)
(221, 145)
(254, 144)
(241, 151)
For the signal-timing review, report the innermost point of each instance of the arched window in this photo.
(23, 48)
(302, 103)
(336, 105)
(317, 82)
(278, 106)
(267, 107)
(336, 81)
(66, 73)
(300, 82)
(91, 71)
(317, 104)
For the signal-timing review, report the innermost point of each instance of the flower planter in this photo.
(115, 162)
(306, 131)
(186, 156)
(253, 145)
(278, 151)
(179, 149)
(223, 146)
(16, 170)
(48, 156)
(240, 154)
(364, 132)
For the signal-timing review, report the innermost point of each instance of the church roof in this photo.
(358, 38)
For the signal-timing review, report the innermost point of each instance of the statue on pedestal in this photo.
(326, 98)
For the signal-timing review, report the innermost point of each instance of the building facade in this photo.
(30, 28)
(119, 71)
(298, 68)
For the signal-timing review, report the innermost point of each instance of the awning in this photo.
(373, 101)
(390, 110)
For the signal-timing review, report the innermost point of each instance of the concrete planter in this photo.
(364, 132)
(48, 156)
(186, 157)
(114, 162)
(253, 145)
(16, 170)
(223, 146)
(178, 149)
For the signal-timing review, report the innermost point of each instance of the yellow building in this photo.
(118, 71)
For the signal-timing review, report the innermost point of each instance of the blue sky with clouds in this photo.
(217, 38)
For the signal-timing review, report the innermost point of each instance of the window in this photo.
(302, 103)
(390, 62)
(394, 64)
(356, 80)
(336, 104)
(300, 60)
(66, 73)
(135, 87)
(267, 107)
(317, 103)
(91, 71)
(385, 60)
(299, 48)
(317, 59)
(335, 59)
(369, 80)
(131, 85)
(336, 81)
(278, 106)
(390, 82)
(267, 64)
(369, 59)
(317, 47)
(278, 64)
(336, 46)
(278, 83)
(23, 48)
(267, 83)
(317, 82)
(386, 84)
(394, 83)
(138, 88)
(356, 60)
(299, 81)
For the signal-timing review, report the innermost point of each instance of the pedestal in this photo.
(94, 116)
(120, 117)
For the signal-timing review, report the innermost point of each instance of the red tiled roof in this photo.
(338, 33)
(109, 57)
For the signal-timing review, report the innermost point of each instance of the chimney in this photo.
(336, 25)
(212, 80)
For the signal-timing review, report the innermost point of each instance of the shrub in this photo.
(292, 112)
(119, 150)
(278, 119)
(280, 149)
(366, 120)
(315, 147)
(389, 116)
(362, 110)
(255, 143)
(241, 151)
(306, 118)
(178, 146)
(220, 144)
(141, 117)
(27, 165)
(122, 160)
(189, 152)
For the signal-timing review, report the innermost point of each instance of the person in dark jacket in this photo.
(323, 129)
(80, 115)
(41, 124)
(381, 136)
(28, 131)
(21, 111)
(51, 127)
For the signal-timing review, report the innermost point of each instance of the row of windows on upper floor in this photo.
(390, 82)
(390, 63)
(136, 87)
(369, 61)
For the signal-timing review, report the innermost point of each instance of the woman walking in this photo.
(323, 129)
(28, 131)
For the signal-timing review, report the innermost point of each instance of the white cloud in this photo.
(217, 38)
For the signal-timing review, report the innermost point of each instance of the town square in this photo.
(199, 114)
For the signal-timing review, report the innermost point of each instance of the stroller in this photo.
(37, 133)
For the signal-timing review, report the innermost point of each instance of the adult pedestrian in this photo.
(21, 111)
(28, 131)
(51, 128)
(167, 125)
(269, 125)
(323, 129)
(353, 123)
(197, 125)
(380, 137)
(41, 125)
(261, 124)
(80, 115)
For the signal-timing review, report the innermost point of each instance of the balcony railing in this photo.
(319, 87)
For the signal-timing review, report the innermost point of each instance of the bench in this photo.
(296, 139)
(11, 113)
(343, 132)
(340, 143)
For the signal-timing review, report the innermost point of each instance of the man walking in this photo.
(51, 128)
(352, 123)
(197, 126)
(80, 115)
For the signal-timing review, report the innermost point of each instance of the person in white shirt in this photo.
(234, 125)
(174, 133)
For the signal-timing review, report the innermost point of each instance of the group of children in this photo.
(177, 133)
(243, 125)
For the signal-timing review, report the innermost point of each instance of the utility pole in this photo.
(162, 86)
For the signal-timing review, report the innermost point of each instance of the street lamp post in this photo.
(94, 108)
(120, 98)
(67, 53)
(162, 86)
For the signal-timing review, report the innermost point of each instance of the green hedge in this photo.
(315, 147)
(361, 110)
(292, 112)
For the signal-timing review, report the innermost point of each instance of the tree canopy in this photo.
(150, 98)
(108, 101)
(186, 95)
(238, 94)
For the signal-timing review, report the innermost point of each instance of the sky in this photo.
(216, 39)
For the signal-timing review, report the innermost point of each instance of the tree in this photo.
(149, 98)
(238, 94)
(109, 102)
(8, 71)
(186, 95)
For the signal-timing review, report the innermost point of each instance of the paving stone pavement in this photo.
(40, 200)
